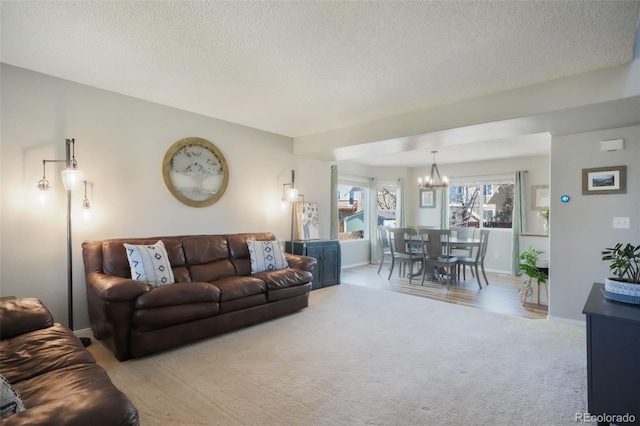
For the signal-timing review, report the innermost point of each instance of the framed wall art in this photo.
(539, 196)
(604, 180)
(195, 172)
(306, 219)
(427, 198)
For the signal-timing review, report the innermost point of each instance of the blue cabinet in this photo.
(327, 253)
(613, 357)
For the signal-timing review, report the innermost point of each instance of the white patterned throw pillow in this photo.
(266, 256)
(10, 401)
(150, 263)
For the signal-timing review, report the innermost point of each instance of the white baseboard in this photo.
(82, 333)
(567, 320)
(354, 265)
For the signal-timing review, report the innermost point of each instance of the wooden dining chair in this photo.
(478, 260)
(439, 262)
(463, 233)
(383, 244)
(401, 252)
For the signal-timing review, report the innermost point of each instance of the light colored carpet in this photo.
(361, 356)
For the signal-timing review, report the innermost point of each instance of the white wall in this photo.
(120, 144)
(504, 114)
(583, 227)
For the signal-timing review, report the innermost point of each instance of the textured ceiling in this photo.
(299, 68)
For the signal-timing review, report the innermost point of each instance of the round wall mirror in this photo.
(195, 172)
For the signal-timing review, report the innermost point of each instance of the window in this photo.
(481, 205)
(352, 202)
(386, 204)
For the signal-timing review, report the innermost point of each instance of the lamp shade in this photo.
(72, 178)
(292, 195)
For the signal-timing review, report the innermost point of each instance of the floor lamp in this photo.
(71, 178)
(291, 196)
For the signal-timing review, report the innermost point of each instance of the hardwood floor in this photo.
(500, 296)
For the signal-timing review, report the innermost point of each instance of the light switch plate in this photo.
(621, 223)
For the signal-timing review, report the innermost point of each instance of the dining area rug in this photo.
(364, 356)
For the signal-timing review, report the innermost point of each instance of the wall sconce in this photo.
(71, 178)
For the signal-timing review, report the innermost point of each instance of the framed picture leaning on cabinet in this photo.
(306, 221)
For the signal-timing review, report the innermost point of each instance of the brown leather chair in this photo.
(56, 377)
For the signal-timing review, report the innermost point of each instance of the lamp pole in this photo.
(69, 244)
(71, 165)
(70, 176)
(293, 184)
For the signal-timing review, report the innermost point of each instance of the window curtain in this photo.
(443, 209)
(400, 206)
(335, 217)
(373, 220)
(519, 218)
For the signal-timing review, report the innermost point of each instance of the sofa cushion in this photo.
(266, 256)
(150, 263)
(10, 401)
(284, 278)
(242, 303)
(213, 271)
(202, 249)
(22, 315)
(76, 395)
(148, 319)
(207, 257)
(178, 294)
(288, 292)
(38, 352)
(238, 287)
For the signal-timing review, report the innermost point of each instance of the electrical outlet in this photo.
(621, 223)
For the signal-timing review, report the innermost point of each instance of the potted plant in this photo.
(624, 262)
(528, 265)
(543, 212)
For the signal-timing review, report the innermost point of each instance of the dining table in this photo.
(454, 243)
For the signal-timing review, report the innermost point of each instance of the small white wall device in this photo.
(612, 145)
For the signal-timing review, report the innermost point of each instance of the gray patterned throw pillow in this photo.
(266, 256)
(150, 264)
(10, 401)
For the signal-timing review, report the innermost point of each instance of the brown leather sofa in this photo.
(214, 292)
(56, 377)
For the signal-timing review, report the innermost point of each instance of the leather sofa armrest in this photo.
(18, 316)
(304, 263)
(111, 288)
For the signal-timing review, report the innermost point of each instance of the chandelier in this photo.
(433, 180)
